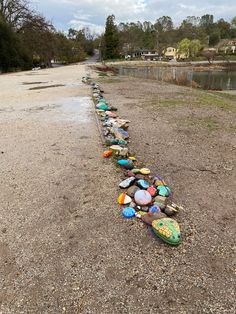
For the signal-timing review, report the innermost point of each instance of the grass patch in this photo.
(210, 99)
(171, 102)
(102, 74)
(207, 123)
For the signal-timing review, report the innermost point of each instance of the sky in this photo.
(93, 13)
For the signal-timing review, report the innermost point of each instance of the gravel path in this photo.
(64, 247)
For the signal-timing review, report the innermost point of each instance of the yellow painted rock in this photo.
(145, 171)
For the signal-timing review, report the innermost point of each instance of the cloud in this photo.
(93, 13)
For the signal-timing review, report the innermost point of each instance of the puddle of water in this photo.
(47, 86)
(74, 109)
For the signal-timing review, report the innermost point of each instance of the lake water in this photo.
(215, 80)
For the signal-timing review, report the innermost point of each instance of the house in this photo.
(170, 53)
(146, 54)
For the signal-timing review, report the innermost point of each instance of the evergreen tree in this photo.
(111, 40)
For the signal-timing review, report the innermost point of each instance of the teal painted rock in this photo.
(123, 162)
(142, 198)
(143, 184)
(163, 190)
(168, 230)
(101, 106)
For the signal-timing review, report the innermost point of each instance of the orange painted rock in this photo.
(107, 153)
(124, 199)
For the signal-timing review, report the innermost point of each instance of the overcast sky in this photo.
(79, 13)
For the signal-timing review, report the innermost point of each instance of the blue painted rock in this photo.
(142, 198)
(124, 199)
(163, 190)
(123, 162)
(143, 184)
(168, 230)
(127, 182)
(128, 212)
(132, 190)
(154, 209)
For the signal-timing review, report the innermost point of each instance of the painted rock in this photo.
(101, 106)
(163, 190)
(135, 171)
(168, 230)
(150, 217)
(132, 190)
(122, 142)
(141, 213)
(154, 209)
(142, 198)
(132, 158)
(120, 151)
(124, 199)
(159, 182)
(143, 184)
(123, 162)
(102, 100)
(107, 153)
(152, 190)
(145, 209)
(145, 171)
(128, 212)
(127, 182)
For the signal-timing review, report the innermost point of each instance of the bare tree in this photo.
(14, 11)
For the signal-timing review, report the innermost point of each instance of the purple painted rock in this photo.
(154, 209)
(132, 190)
(142, 198)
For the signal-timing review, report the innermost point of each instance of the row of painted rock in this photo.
(146, 195)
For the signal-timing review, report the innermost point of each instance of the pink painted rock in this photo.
(142, 198)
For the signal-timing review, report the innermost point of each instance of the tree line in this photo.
(28, 40)
(192, 35)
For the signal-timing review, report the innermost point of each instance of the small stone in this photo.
(150, 217)
(143, 184)
(124, 199)
(154, 209)
(145, 171)
(135, 171)
(163, 190)
(152, 190)
(127, 182)
(142, 198)
(128, 212)
(132, 190)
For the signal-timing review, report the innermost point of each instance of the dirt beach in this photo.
(64, 247)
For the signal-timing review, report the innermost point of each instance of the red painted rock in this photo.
(152, 190)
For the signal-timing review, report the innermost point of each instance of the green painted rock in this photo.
(168, 230)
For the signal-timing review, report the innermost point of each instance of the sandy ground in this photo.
(64, 247)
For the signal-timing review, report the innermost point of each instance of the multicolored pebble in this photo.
(143, 184)
(124, 199)
(168, 230)
(145, 171)
(163, 190)
(142, 198)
